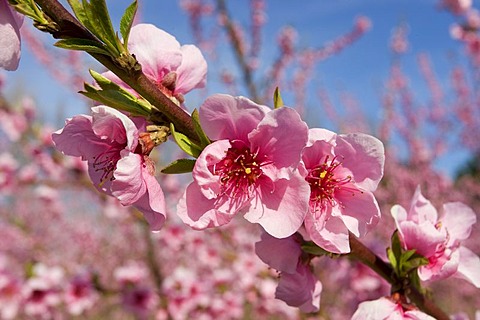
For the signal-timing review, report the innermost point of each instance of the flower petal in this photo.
(111, 124)
(281, 211)
(129, 185)
(192, 72)
(225, 117)
(281, 137)
(331, 235)
(359, 211)
(422, 209)
(280, 254)
(157, 51)
(458, 219)
(364, 156)
(469, 266)
(199, 212)
(382, 308)
(10, 23)
(424, 237)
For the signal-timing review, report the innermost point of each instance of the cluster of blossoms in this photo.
(300, 185)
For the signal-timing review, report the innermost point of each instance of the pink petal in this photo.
(152, 203)
(440, 267)
(78, 139)
(330, 235)
(364, 156)
(458, 219)
(299, 288)
(212, 154)
(96, 176)
(421, 209)
(10, 23)
(469, 266)
(382, 308)
(129, 185)
(281, 212)
(192, 72)
(281, 136)
(225, 117)
(424, 237)
(316, 152)
(113, 125)
(359, 212)
(319, 134)
(199, 212)
(157, 51)
(280, 254)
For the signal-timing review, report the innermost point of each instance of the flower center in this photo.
(239, 171)
(107, 162)
(324, 184)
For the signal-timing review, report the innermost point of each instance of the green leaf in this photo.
(277, 99)
(100, 24)
(392, 259)
(79, 12)
(188, 146)
(127, 21)
(82, 45)
(311, 248)
(204, 140)
(179, 166)
(396, 245)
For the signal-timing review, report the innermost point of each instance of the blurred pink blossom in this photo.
(80, 294)
(388, 309)
(298, 286)
(249, 169)
(117, 165)
(439, 240)
(343, 171)
(10, 23)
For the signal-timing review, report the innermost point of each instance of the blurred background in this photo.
(406, 72)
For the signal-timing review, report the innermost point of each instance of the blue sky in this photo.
(360, 69)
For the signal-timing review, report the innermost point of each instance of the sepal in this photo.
(179, 166)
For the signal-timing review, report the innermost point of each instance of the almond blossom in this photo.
(249, 169)
(439, 239)
(10, 23)
(298, 286)
(117, 162)
(342, 171)
(175, 69)
(388, 309)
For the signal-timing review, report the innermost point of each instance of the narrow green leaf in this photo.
(277, 99)
(407, 255)
(204, 140)
(396, 245)
(179, 166)
(127, 21)
(91, 46)
(79, 12)
(392, 259)
(100, 25)
(185, 143)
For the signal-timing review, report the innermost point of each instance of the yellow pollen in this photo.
(323, 174)
(248, 170)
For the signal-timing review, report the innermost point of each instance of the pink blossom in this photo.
(387, 309)
(298, 286)
(343, 171)
(139, 300)
(80, 294)
(10, 23)
(117, 163)
(439, 240)
(249, 169)
(178, 69)
(10, 292)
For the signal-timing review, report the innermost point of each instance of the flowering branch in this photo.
(69, 27)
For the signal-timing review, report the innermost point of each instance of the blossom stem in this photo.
(360, 252)
(69, 27)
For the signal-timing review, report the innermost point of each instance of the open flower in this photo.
(298, 286)
(251, 168)
(10, 23)
(117, 163)
(388, 309)
(175, 69)
(439, 240)
(342, 171)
